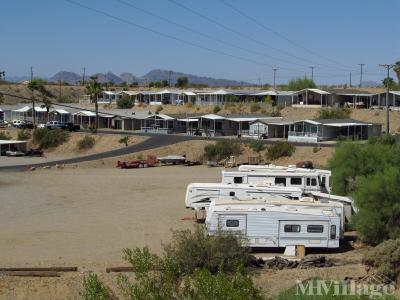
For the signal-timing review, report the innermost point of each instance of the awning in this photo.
(188, 120)
(61, 111)
(212, 117)
(22, 109)
(85, 113)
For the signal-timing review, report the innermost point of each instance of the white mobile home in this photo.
(306, 181)
(199, 195)
(269, 225)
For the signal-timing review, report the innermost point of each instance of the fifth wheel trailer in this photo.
(199, 195)
(263, 225)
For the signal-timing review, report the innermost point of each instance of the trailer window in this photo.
(232, 223)
(314, 181)
(315, 228)
(296, 181)
(333, 232)
(291, 228)
(232, 194)
(280, 181)
(238, 179)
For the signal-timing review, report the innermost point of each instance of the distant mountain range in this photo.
(153, 75)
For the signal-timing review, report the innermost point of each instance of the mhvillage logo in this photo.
(373, 286)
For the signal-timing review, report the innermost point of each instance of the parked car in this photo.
(27, 125)
(34, 152)
(18, 123)
(4, 124)
(70, 126)
(41, 126)
(53, 124)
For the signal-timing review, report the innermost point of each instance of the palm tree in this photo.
(47, 104)
(94, 88)
(397, 70)
(36, 84)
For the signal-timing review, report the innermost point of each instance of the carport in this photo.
(10, 145)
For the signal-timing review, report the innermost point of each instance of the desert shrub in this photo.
(276, 113)
(280, 149)
(300, 83)
(257, 145)
(216, 109)
(189, 104)
(48, 138)
(191, 250)
(24, 135)
(229, 105)
(159, 108)
(316, 149)
(333, 113)
(222, 149)
(254, 107)
(124, 140)
(125, 102)
(385, 258)
(87, 142)
(94, 289)
(4, 136)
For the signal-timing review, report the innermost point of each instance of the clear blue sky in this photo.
(54, 35)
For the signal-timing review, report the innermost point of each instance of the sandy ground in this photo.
(84, 216)
(104, 142)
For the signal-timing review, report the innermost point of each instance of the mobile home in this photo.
(199, 195)
(269, 225)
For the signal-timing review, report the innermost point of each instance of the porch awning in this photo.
(61, 111)
(22, 109)
(212, 117)
(188, 120)
(85, 113)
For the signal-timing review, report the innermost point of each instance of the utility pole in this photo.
(169, 78)
(350, 80)
(83, 76)
(259, 82)
(33, 102)
(361, 73)
(274, 78)
(388, 67)
(312, 72)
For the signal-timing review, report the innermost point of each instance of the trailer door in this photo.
(234, 223)
(307, 233)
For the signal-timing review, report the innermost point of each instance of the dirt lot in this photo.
(84, 216)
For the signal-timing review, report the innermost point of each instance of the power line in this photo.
(219, 24)
(208, 36)
(170, 36)
(279, 34)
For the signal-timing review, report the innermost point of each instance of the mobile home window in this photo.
(232, 194)
(295, 181)
(232, 223)
(280, 181)
(238, 179)
(314, 181)
(291, 228)
(315, 228)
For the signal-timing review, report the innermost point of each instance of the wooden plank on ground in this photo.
(30, 273)
(39, 269)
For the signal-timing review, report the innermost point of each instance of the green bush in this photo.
(222, 149)
(257, 145)
(254, 107)
(94, 289)
(87, 142)
(193, 266)
(193, 250)
(385, 258)
(124, 140)
(159, 108)
(280, 149)
(4, 136)
(24, 134)
(216, 109)
(125, 102)
(276, 113)
(300, 83)
(333, 113)
(48, 138)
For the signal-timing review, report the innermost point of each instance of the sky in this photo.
(233, 39)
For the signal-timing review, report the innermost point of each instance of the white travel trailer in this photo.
(306, 181)
(324, 175)
(199, 195)
(270, 225)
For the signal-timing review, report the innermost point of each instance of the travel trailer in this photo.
(199, 195)
(324, 175)
(306, 181)
(271, 225)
